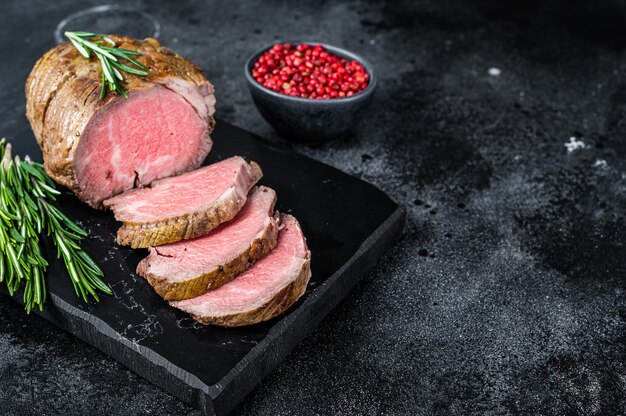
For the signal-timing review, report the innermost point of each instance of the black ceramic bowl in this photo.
(310, 120)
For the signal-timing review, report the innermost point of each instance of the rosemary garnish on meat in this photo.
(25, 214)
(87, 43)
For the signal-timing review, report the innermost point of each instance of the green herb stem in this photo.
(26, 192)
(87, 43)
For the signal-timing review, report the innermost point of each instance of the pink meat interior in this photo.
(153, 134)
(189, 192)
(257, 285)
(191, 258)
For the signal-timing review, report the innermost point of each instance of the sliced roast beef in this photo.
(185, 206)
(102, 147)
(262, 292)
(190, 268)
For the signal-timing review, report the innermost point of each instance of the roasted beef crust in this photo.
(279, 303)
(223, 274)
(62, 96)
(183, 227)
(171, 230)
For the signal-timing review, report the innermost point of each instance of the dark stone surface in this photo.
(507, 293)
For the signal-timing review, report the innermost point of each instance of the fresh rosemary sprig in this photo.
(25, 213)
(108, 55)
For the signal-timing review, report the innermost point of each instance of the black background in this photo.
(506, 294)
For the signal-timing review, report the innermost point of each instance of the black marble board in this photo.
(348, 224)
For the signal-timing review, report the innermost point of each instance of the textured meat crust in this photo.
(224, 273)
(62, 96)
(184, 227)
(171, 230)
(279, 303)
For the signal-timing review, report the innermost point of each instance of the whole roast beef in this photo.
(101, 147)
(265, 290)
(190, 268)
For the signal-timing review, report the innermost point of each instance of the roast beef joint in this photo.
(217, 248)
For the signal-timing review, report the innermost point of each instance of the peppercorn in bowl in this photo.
(309, 91)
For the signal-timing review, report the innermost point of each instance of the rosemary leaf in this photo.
(129, 69)
(81, 49)
(88, 42)
(121, 52)
(25, 214)
(16, 236)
